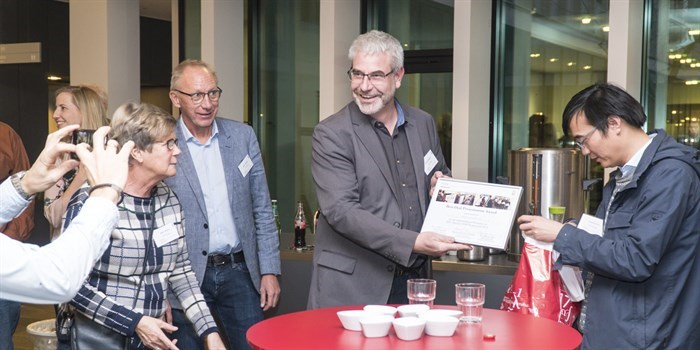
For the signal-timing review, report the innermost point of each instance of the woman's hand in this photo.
(150, 330)
(213, 342)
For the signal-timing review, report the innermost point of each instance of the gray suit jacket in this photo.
(359, 237)
(249, 198)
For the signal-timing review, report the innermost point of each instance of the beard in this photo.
(376, 105)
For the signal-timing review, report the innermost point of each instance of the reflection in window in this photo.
(545, 52)
(425, 29)
(284, 84)
(672, 81)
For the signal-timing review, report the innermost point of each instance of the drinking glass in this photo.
(421, 291)
(556, 213)
(470, 299)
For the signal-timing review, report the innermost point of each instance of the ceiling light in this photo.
(586, 20)
(571, 64)
(674, 111)
(682, 61)
(53, 78)
(694, 32)
(553, 60)
(678, 56)
(691, 82)
(606, 28)
(587, 67)
(534, 55)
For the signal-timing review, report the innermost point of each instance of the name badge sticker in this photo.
(429, 162)
(165, 234)
(245, 166)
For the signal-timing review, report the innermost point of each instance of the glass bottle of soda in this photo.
(300, 227)
(276, 213)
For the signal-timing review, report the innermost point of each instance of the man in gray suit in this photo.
(231, 233)
(374, 163)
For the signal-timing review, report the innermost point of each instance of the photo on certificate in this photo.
(477, 213)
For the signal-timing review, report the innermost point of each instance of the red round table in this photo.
(321, 329)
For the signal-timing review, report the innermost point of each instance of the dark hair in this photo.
(601, 101)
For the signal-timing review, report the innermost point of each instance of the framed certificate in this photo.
(476, 213)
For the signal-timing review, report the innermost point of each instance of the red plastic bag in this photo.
(537, 289)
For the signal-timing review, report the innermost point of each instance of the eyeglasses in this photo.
(580, 143)
(374, 77)
(170, 144)
(198, 97)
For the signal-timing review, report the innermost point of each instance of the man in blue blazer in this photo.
(231, 234)
(374, 163)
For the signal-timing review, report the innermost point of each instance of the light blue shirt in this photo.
(206, 157)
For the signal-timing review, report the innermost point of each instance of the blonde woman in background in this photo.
(86, 106)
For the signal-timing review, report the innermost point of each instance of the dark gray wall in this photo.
(24, 91)
(24, 88)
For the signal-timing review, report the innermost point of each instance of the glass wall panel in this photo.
(425, 28)
(284, 87)
(545, 52)
(672, 89)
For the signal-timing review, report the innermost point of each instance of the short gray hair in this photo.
(180, 68)
(374, 42)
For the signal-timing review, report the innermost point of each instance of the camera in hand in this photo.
(81, 136)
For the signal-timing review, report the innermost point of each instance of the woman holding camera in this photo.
(87, 107)
(124, 297)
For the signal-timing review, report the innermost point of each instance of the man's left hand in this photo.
(269, 292)
(433, 181)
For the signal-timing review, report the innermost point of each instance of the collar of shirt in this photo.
(634, 161)
(400, 120)
(190, 138)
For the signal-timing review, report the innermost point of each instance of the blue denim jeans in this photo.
(234, 302)
(9, 317)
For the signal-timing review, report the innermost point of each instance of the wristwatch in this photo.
(16, 180)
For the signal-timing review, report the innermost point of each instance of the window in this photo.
(283, 98)
(671, 80)
(544, 53)
(425, 28)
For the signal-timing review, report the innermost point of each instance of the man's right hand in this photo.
(435, 244)
(104, 165)
(44, 173)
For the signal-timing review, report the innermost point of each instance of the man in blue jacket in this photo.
(643, 278)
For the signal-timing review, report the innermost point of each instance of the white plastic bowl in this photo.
(409, 328)
(440, 326)
(412, 310)
(381, 309)
(441, 312)
(351, 319)
(376, 325)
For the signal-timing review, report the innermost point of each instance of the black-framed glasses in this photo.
(374, 77)
(170, 144)
(198, 97)
(580, 143)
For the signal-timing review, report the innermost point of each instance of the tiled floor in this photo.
(28, 314)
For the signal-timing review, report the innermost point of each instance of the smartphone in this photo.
(81, 136)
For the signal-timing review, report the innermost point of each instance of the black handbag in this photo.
(87, 334)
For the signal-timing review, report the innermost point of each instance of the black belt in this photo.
(220, 259)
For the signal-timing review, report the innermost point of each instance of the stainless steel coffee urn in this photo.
(549, 177)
